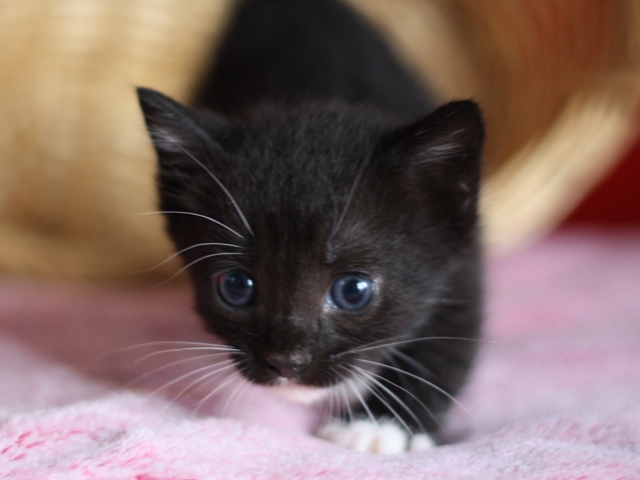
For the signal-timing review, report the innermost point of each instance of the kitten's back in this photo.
(285, 51)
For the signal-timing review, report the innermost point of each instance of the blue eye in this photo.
(351, 292)
(236, 288)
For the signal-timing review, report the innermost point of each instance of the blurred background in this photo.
(558, 80)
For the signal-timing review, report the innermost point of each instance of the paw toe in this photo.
(420, 442)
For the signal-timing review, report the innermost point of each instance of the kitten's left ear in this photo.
(441, 154)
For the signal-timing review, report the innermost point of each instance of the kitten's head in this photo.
(313, 233)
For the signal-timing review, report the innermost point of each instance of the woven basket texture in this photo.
(558, 80)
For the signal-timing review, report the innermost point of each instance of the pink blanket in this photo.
(556, 394)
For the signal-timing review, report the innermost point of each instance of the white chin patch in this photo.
(365, 436)
(303, 394)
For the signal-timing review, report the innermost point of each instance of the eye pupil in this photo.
(353, 289)
(236, 288)
(351, 292)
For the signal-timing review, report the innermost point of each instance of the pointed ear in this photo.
(173, 127)
(440, 154)
(185, 142)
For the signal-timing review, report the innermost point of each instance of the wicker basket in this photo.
(559, 81)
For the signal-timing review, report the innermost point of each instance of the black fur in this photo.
(310, 108)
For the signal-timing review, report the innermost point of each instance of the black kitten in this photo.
(330, 226)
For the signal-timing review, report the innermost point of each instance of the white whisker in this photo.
(408, 392)
(404, 382)
(171, 257)
(231, 378)
(224, 189)
(334, 219)
(165, 342)
(347, 402)
(336, 398)
(426, 382)
(166, 212)
(172, 364)
(366, 346)
(371, 375)
(339, 406)
(362, 402)
(187, 375)
(200, 379)
(328, 407)
(382, 400)
(372, 346)
(237, 392)
(189, 349)
(335, 228)
(174, 342)
(410, 361)
(186, 267)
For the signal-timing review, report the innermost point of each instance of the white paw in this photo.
(366, 436)
(420, 442)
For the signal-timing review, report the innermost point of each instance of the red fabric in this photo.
(616, 199)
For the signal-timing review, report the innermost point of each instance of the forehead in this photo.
(297, 175)
(291, 242)
(321, 146)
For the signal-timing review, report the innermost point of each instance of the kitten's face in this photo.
(339, 231)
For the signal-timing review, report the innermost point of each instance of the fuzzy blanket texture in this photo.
(556, 393)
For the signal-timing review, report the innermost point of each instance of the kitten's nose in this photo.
(287, 366)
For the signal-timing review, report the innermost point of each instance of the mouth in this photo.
(289, 390)
(309, 383)
(348, 388)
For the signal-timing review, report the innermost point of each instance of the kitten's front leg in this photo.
(415, 387)
(389, 415)
(374, 425)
